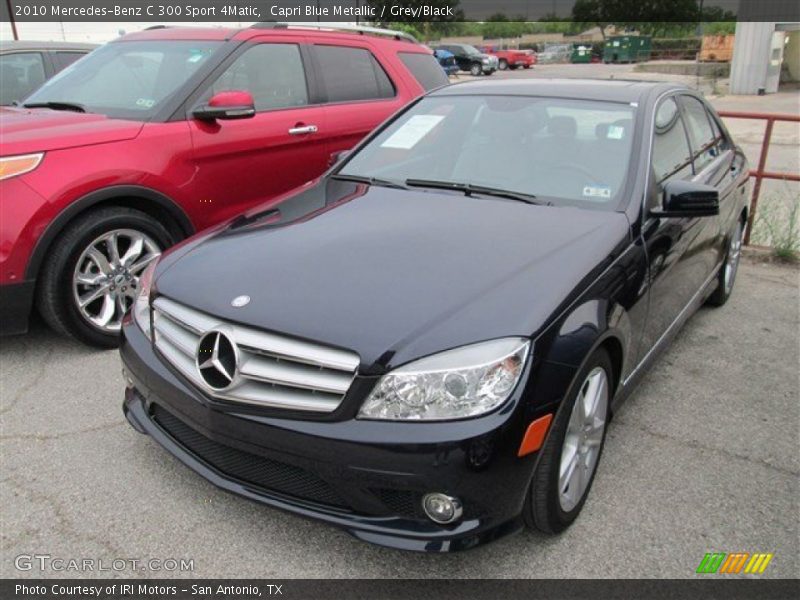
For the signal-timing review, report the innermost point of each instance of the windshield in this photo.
(571, 152)
(128, 80)
(470, 50)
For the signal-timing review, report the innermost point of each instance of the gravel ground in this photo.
(703, 457)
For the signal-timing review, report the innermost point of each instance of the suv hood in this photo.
(25, 130)
(395, 275)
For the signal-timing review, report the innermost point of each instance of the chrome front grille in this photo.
(270, 370)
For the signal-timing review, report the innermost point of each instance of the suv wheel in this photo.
(91, 276)
(727, 272)
(566, 469)
(475, 69)
(503, 65)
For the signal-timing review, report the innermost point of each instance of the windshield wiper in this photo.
(370, 180)
(73, 106)
(471, 188)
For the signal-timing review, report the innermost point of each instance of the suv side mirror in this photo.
(688, 199)
(227, 105)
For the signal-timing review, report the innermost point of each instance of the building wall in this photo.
(791, 56)
(751, 52)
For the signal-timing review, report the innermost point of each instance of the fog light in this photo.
(441, 508)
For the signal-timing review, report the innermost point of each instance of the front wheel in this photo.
(567, 467)
(727, 272)
(91, 276)
(475, 70)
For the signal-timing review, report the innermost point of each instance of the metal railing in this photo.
(761, 173)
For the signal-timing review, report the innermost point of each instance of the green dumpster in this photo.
(627, 49)
(581, 53)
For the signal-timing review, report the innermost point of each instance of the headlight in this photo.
(141, 306)
(486, 59)
(455, 384)
(11, 166)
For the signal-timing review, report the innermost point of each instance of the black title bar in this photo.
(409, 11)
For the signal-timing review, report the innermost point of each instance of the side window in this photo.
(64, 59)
(20, 74)
(425, 69)
(272, 73)
(671, 154)
(351, 74)
(701, 135)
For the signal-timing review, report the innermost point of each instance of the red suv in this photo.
(165, 132)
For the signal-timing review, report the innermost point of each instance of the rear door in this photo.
(240, 163)
(360, 89)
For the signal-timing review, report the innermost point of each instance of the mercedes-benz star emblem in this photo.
(240, 301)
(217, 359)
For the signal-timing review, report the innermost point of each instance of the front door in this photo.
(241, 163)
(680, 251)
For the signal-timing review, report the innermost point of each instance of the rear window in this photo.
(351, 74)
(425, 69)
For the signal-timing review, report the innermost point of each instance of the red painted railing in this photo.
(760, 173)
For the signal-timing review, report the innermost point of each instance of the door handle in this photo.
(303, 129)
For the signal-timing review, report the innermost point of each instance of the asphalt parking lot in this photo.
(704, 457)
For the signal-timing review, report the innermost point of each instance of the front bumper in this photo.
(367, 477)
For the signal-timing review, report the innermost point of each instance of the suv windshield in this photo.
(571, 152)
(127, 80)
(470, 50)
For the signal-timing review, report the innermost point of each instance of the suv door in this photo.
(360, 91)
(240, 163)
(679, 250)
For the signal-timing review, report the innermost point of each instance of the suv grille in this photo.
(264, 473)
(270, 370)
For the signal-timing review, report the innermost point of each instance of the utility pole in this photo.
(11, 20)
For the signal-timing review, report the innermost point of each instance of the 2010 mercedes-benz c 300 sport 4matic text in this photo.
(425, 345)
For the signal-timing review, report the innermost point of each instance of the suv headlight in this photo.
(464, 382)
(141, 306)
(11, 166)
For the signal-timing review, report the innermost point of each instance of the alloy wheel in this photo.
(583, 439)
(106, 276)
(732, 261)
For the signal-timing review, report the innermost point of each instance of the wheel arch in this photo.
(147, 200)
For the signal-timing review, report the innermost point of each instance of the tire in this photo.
(727, 273)
(475, 70)
(513, 67)
(503, 65)
(546, 509)
(59, 285)
(527, 66)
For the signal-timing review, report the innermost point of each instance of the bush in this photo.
(777, 225)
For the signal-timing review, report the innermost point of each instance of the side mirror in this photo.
(688, 199)
(227, 105)
(337, 157)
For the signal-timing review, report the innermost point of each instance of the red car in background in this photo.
(168, 131)
(511, 59)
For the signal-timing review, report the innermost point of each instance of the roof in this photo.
(7, 46)
(261, 30)
(609, 90)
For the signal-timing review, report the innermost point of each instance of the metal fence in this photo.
(760, 173)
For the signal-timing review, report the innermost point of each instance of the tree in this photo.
(634, 13)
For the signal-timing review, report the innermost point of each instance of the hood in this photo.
(24, 130)
(395, 275)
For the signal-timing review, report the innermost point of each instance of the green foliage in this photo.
(778, 226)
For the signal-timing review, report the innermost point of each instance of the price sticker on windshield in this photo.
(412, 131)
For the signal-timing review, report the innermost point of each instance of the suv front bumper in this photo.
(367, 477)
